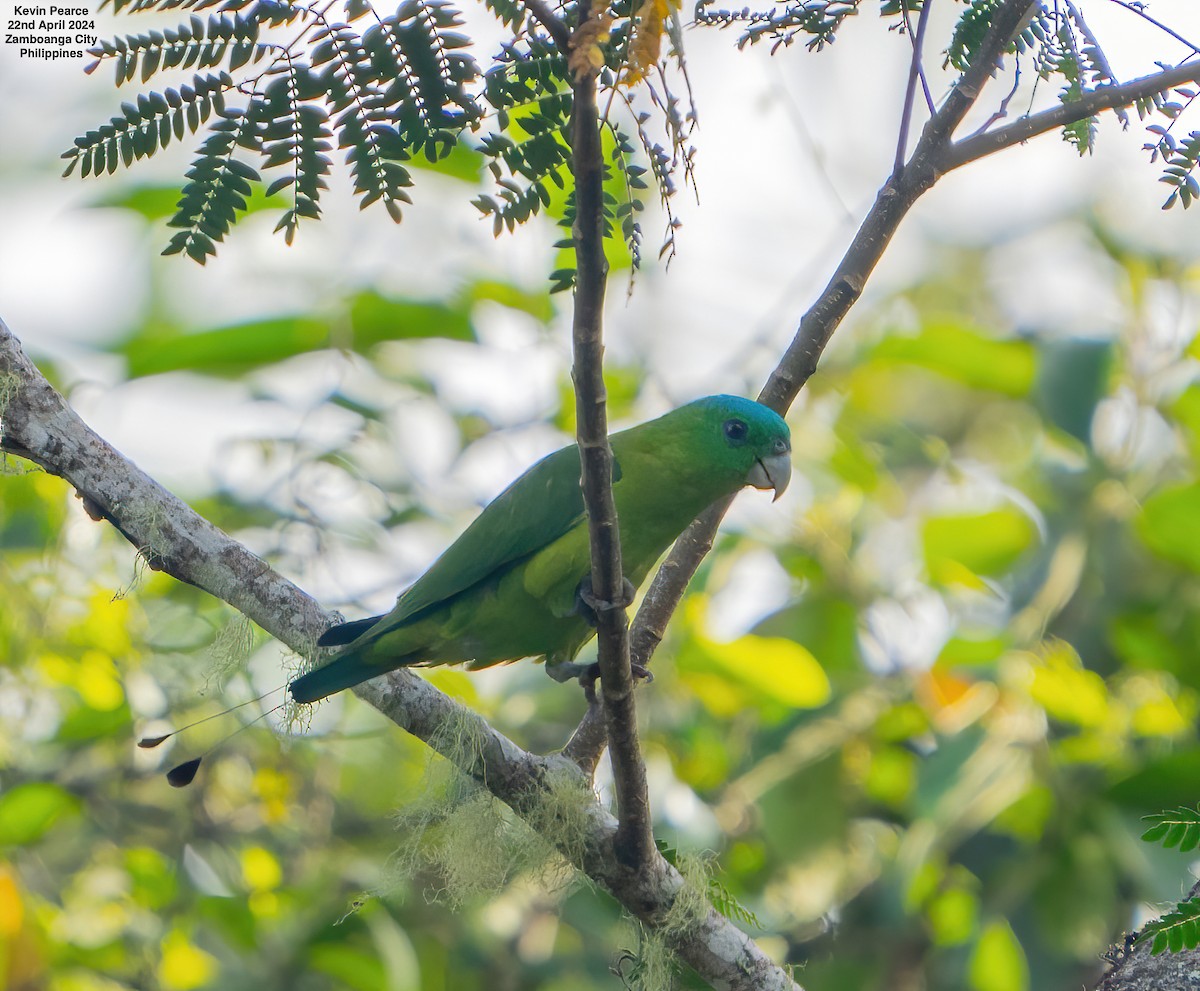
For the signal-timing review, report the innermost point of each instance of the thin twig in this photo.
(635, 837)
(1140, 10)
(1105, 98)
(1001, 111)
(929, 104)
(915, 72)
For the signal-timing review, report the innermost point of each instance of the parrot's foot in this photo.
(589, 607)
(565, 671)
(591, 674)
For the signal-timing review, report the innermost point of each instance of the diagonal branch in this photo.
(37, 423)
(895, 199)
(553, 24)
(1104, 98)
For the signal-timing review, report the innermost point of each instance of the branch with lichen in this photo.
(36, 423)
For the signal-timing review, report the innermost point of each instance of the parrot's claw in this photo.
(589, 607)
(588, 679)
(591, 674)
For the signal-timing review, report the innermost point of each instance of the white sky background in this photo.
(791, 151)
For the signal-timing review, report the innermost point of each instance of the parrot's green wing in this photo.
(538, 508)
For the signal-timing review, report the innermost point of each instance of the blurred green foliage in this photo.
(927, 768)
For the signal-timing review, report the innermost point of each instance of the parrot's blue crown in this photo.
(750, 414)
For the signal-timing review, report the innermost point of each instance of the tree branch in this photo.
(36, 423)
(553, 24)
(1133, 968)
(635, 833)
(894, 200)
(658, 605)
(1105, 98)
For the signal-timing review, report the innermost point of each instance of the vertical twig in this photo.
(915, 73)
(634, 838)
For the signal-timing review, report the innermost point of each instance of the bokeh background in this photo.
(910, 716)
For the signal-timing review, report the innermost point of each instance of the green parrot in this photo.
(515, 584)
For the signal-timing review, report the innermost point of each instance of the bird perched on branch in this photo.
(517, 582)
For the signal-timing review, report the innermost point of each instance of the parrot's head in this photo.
(749, 440)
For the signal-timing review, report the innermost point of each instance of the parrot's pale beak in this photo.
(773, 472)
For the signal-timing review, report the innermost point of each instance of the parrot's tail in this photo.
(347, 670)
(344, 672)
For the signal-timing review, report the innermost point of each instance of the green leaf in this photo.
(156, 202)
(967, 651)
(537, 304)
(998, 962)
(351, 968)
(29, 810)
(153, 876)
(460, 162)
(1177, 930)
(235, 349)
(1072, 378)
(771, 672)
(1170, 525)
(957, 352)
(959, 547)
(375, 318)
(1140, 640)
(226, 350)
(825, 624)
(953, 915)
(1067, 690)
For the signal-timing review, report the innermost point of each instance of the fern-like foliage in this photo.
(782, 24)
(1178, 930)
(1061, 46)
(1174, 828)
(149, 124)
(216, 190)
(729, 906)
(277, 88)
(286, 83)
(1180, 156)
(969, 32)
(528, 89)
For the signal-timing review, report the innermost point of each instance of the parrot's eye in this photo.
(736, 430)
